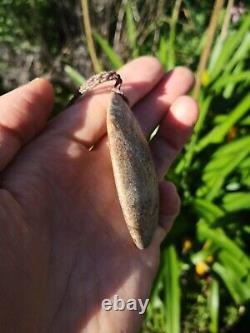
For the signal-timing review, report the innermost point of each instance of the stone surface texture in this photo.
(134, 172)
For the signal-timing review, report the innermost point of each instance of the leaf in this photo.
(220, 239)
(241, 53)
(213, 305)
(131, 30)
(215, 178)
(233, 147)
(74, 75)
(204, 103)
(207, 210)
(229, 89)
(215, 53)
(239, 291)
(236, 201)
(232, 263)
(245, 164)
(230, 45)
(112, 56)
(172, 295)
(246, 229)
(223, 162)
(162, 51)
(219, 118)
(231, 78)
(246, 121)
(218, 133)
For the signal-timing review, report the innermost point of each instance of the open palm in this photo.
(64, 244)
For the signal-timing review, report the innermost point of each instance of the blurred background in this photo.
(203, 284)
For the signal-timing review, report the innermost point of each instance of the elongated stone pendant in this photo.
(134, 171)
(133, 168)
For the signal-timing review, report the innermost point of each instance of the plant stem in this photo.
(172, 34)
(118, 29)
(226, 21)
(209, 41)
(89, 39)
(160, 10)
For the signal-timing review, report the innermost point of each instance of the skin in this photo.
(64, 244)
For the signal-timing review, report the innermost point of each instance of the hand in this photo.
(64, 244)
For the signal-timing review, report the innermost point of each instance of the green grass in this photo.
(213, 177)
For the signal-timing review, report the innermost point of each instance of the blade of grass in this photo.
(207, 210)
(131, 30)
(229, 89)
(231, 148)
(74, 75)
(229, 53)
(238, 268)
(112, 56)
(241, 53)
(239, 291)
(221, 240)
(226, 21)
(215, 178)
(172, 290)
(213, 306)
(221, 38)
(172, 34)
(233, 202)
(245, 121)
(217, 134)
(162, 51)
(231, 78)
(89, 39)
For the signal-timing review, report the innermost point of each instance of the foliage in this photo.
(203, 284)
(213, 177)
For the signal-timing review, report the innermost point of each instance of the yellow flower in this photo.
(201, 268)
(205, 78)
(186, 245)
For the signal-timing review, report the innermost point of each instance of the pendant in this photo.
(133, 167)
(134, 171)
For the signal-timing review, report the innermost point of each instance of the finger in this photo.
(169, 204)
(175, 129)
(23, 113)
(169, 209)
(86, 121)
(155, 105)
